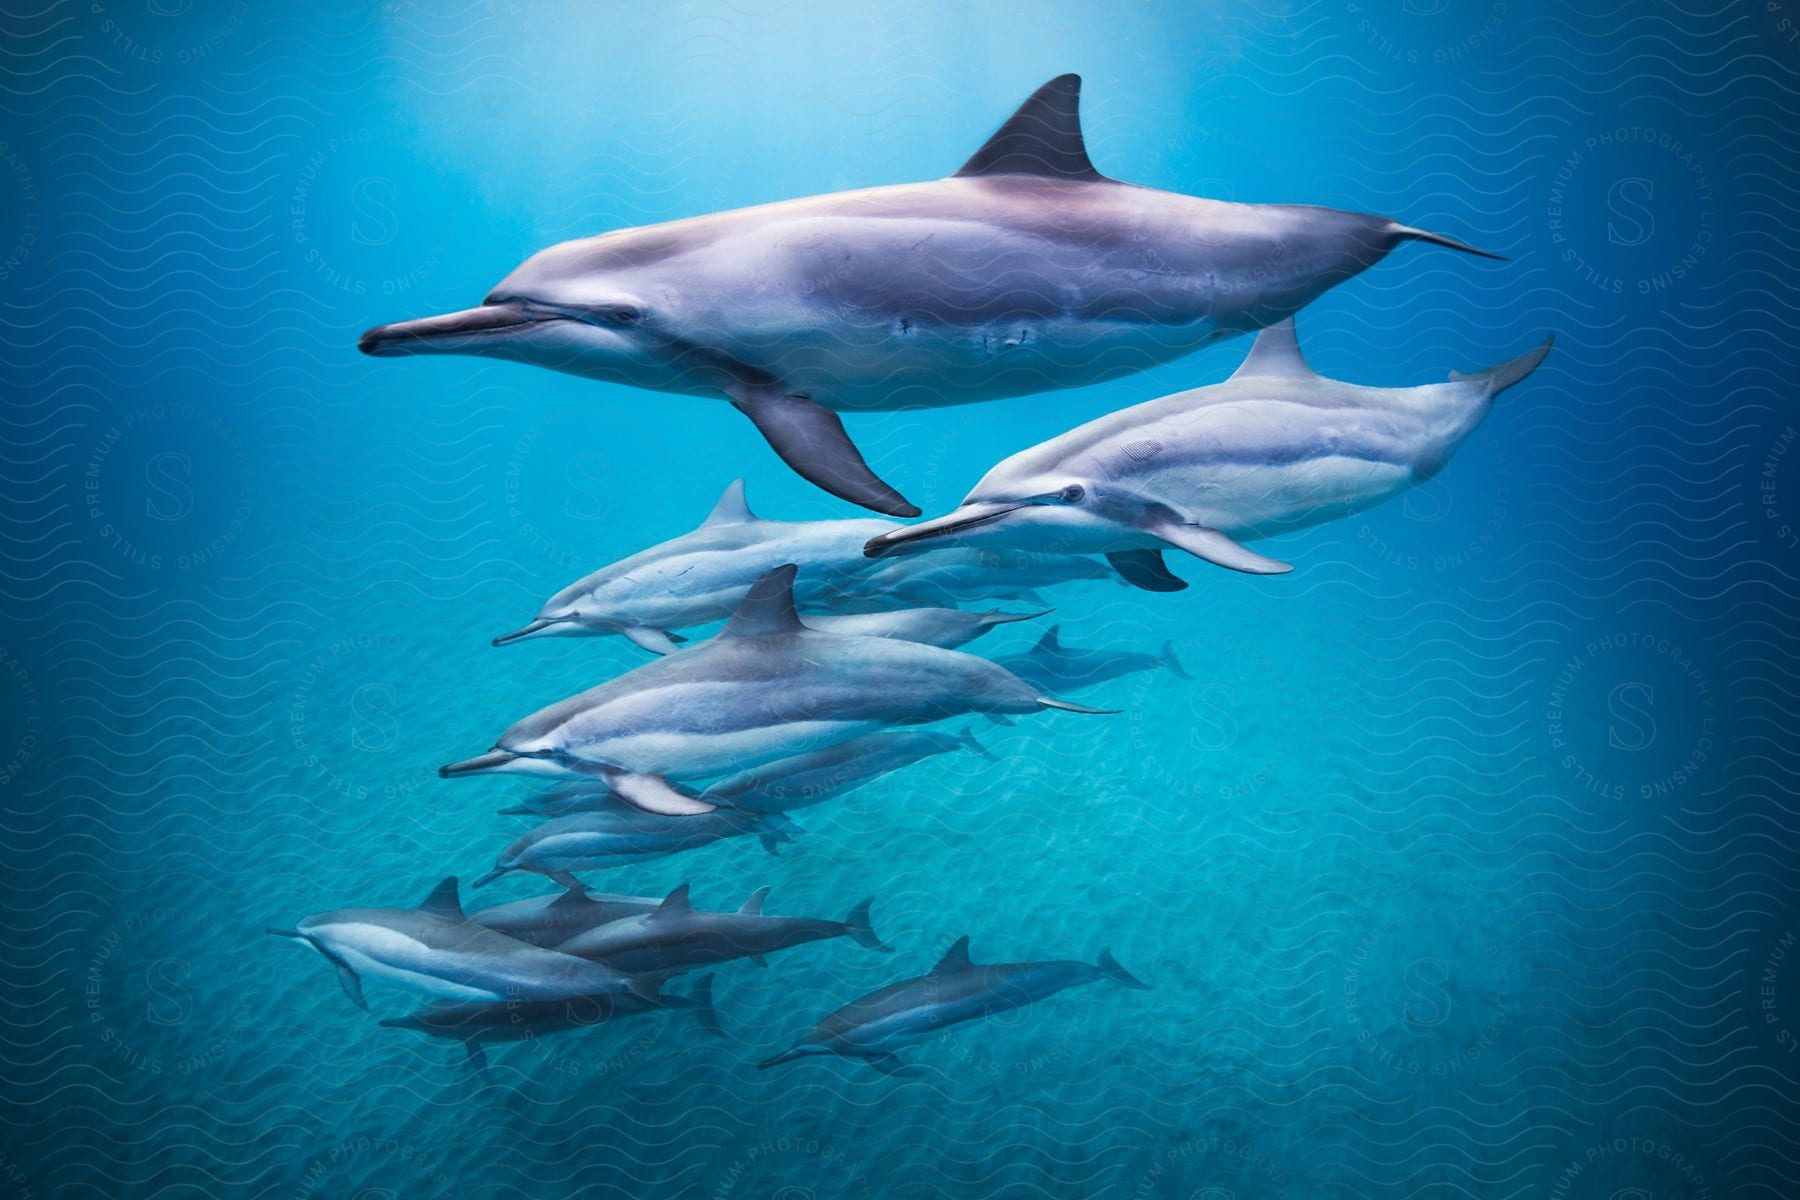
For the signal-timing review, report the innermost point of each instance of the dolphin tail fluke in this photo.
(1070, 706)
(704, 1012)
(972, 743)
(862, 928)
(1407, 233)
(493, 760)
(810, 438)
(1109, 967)
(1170, 663)
(1499, 378)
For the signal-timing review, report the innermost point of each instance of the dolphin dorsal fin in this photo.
(1276, 353)
(768, 608)
(732, 508)
(443, 902)
(575, 893)
(676, 905)
(753, 906)
(956, 958)
(1042, 138)
(1051, 642)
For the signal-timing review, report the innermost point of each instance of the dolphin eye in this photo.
(1072, 494)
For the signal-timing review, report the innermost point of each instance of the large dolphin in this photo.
(1026, 270)
(476, 1024)
(1276, 447)
(766, 687)
(548, 920)
(677, 937)
(703, 575)
(877, 1025)
(437, 950)
(615, 833)
(1056, 667)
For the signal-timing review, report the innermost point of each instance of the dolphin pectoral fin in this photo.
(1218, 549)
(760, 961)
(890, 1064)
(478, 1059)
(810, 438)
(1000, 719)
(653, 793)
(1145, 569)
(656, 641)
(352, 986)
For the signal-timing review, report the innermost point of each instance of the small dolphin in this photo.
(435, 949)
(957, 575)
(704, 575)
(477, 1024)
(1274, 448)
(1056, 667)
(1026, 270)
(617, 833)
(678, 938)
(874, 1027)
(812, 778)
(548, 920)
(944, 627)
(560, 802)
(764, 688)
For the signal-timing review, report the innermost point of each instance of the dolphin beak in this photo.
(536, 627)
(785, 1056)
(969, 516)
(493, 760)
(286, 933)
(446, 334)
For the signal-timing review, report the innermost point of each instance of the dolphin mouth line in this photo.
(883, 544)
(407, 337)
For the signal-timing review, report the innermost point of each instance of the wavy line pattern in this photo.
(1458, 868)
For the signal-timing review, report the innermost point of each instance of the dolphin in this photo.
(820, 775)
(477, 1024)
(435, 949)
(547, 920)
(948, 628)
(1276, 447)
(1054, 666)
(956, 575)
(618, 833)
(703, 575)
(877, 1025)
(764, 688)
(678, 938)
(1024, 271)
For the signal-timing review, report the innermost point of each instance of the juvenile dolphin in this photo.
(548, 920)
(820, 775)
(766, 687)
(1026, 270)
(874, 1027)
(677, 937)
(478, 1024)
(944, 627)
(1276, 447)
(1056, 667)
(617, 833)
(435, 949)
(702, 576)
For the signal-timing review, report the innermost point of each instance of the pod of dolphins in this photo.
(1024, 271)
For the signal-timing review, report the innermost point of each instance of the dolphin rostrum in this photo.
(615, 833)
(766, 687)
(1026, 270)
(677, 937)
(435, 949)
(877, 1025)
(1276, 447)
(478, 1023)
(1055, 667)
(703, 575)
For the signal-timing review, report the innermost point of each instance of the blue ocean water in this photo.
(1460, 868)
